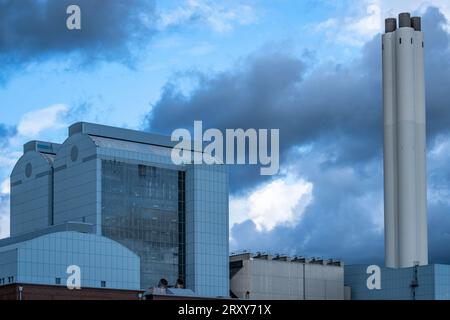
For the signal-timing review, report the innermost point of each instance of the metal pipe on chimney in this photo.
(404, 20)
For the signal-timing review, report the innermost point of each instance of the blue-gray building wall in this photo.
(8, 266)
(44, 259)
(441, 282)
(207, 230)
(31, 193)
(75, 182)
(433, 283)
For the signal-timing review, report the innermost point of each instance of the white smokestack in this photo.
(404, 144)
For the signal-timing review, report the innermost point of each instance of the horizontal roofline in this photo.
(248, 255)
(68, 226)
(121, 134)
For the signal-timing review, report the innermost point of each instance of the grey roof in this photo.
(247, 255)
(109, 143)
(121, 134)
(69, 226)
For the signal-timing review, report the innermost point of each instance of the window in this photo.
(144, 209)
(28, 170)
(58, 280)
(74, 154)
(142, 170)
(103, 284)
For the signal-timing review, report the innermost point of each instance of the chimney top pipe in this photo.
(404, 20)
(390, 24)
(416, 23)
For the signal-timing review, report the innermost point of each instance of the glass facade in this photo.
(143, 208)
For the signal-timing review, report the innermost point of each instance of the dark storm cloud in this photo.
(437, 68)
(33, 30)
(344, 220)
(337, 106)
(335, 110)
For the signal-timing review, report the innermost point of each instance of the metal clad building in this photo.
(43, 257)
(32, 188)
(431, 282)
(265, 277)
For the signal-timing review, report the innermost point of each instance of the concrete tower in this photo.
(405, 197)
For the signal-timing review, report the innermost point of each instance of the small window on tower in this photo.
(142, 170)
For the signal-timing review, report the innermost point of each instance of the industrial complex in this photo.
(109, 206)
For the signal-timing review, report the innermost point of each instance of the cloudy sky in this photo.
(309, 68)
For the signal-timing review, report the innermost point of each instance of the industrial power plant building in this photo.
(406, 274)
(266, 277)
(112, 202)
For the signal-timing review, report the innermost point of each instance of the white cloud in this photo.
(351, 30)
(358, 29)
(280, 202)
(8, 158)
(369, 24)
(393, 7)
(219, 16)
(36, 121)
(441, 148)
(31, 126)
(5, 187)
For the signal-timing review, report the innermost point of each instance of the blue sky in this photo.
(147, 64)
